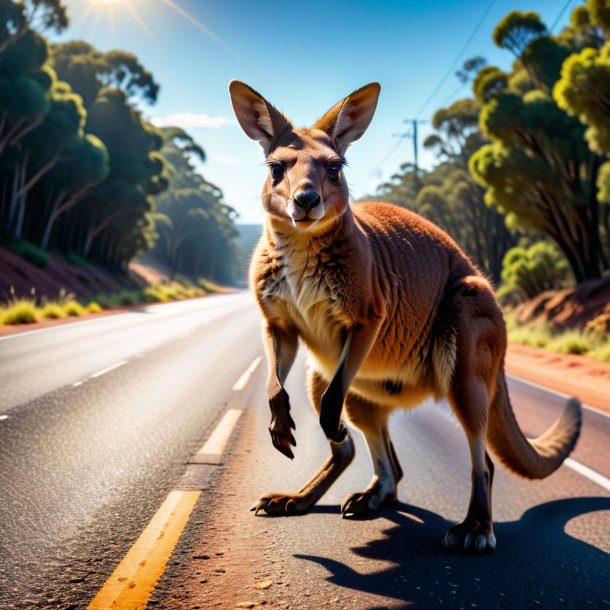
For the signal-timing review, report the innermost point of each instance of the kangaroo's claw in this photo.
(281, 504)
(364, 503)
(470, 538)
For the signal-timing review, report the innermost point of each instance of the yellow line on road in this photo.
(215, 445)
(240, 384)
(131, 584)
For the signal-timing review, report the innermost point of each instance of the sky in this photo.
(303, 57)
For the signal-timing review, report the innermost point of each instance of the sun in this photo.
(97, 11)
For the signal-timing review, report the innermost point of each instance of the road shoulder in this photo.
(569, 374)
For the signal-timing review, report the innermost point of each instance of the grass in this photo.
(52, 311)
(74, 309)
(20, 311)
(594, 345)
(27, 311)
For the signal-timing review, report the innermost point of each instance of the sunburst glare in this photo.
(97, 8)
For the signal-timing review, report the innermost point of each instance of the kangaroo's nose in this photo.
(307, 198)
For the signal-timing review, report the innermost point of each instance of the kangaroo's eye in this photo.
(333, 171)
(277, 171)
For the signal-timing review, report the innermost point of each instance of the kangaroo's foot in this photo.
(367, 502)
(342, 454)
(471, 537)
(283, 504)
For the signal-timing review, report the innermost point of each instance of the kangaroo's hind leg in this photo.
(342, 454)
(372, 420)
(480, 345)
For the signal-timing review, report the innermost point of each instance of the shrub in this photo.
(74, 309)
(30, 252)
(529, 271)
(572, 342)
(74, 259)
(601, 353)
(20, 311)
(93, 307)
(52, 311)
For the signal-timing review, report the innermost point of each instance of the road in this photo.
(89, 451)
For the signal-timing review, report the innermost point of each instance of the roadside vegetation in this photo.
(28, 310)
(522, 179)
(583, 342)
(84, 172)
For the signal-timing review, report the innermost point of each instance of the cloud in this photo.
(190, 120)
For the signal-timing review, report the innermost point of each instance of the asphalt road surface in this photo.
(102, 416)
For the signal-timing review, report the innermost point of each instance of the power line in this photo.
(456, 60)
(561, 12)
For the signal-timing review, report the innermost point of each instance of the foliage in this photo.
(53, 311)
(584, 91)
(19, 311)
(197, 235)
(30, 252)
(448, 196)
(80, 166)
(572, 341)
(74, 308)
(538, 169)
(26, 310)
(528, 271)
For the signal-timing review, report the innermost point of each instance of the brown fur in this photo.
(391, 312)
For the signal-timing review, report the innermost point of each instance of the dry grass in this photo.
(574, 341)
(25, 310)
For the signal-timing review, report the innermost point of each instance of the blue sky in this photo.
(304, 57)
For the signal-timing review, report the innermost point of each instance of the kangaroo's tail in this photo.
(536, 458)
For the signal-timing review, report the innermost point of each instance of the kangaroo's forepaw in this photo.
(281, 504)
(470, 538)
(363, 503)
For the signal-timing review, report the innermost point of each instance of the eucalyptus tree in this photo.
(537, 168)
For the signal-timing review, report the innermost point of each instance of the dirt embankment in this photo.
(82, 280)
(586, 306)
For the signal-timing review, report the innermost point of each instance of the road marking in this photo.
(587, 472)
(77, 383)
(212, 450)
(240, 384)
(3, 417)
(108, 369)
(135, 578)
(541, 387)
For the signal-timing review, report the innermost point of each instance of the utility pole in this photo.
(414, 123)
(412, 133)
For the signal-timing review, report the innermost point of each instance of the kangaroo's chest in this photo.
(305, 292)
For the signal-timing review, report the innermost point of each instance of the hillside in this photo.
(21, 277)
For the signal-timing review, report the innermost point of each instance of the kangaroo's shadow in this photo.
(537, 564)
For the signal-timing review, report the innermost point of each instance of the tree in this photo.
(197, 235)
(537, 169)
(448, 195)
(89, 71)
(530, 270)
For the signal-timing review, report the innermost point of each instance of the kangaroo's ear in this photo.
(258, 118)
(348, 120)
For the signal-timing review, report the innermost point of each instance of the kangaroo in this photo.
(391, 311)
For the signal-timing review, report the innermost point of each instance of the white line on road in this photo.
(108, 369)
(541, 387)
(240, 384)
(77, 383)
(3, 417)
(587, 472)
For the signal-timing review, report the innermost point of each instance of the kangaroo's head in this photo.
(305, 187)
